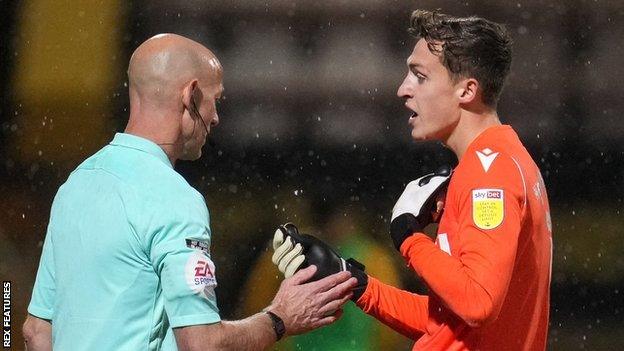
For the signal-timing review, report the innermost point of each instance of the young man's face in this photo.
(430, 94)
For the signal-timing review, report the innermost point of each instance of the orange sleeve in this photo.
(403, 311)
(473, 282)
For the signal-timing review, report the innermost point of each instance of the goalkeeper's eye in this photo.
(420, 77)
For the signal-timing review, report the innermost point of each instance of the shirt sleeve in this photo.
(180, 255)
(473, 282)
(44, 292)
(403, 311)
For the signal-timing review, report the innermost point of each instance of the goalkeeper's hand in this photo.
(419, 205)
(294, 251)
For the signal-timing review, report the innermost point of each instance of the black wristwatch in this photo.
(278, 324)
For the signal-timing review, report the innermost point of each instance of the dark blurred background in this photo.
(311, 125)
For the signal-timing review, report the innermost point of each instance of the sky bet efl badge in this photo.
(487, 208)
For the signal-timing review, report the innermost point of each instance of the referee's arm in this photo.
(301, 306)
(37, 334)
(255, 332)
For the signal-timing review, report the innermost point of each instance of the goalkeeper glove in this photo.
(413, 211)
(294, 251)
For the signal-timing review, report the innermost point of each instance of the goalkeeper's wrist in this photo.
(357, 271)
(403, 227)
(360, 288)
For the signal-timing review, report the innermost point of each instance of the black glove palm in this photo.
(290, 245)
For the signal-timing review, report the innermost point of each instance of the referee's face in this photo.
(430, 94)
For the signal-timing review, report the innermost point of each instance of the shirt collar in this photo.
(141, 144)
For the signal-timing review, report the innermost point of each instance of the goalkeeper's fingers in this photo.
(283, 262)
(288, 258)
(294, 265)
(278, 238)
(282, 250)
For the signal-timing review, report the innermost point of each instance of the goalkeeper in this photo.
(488, 268)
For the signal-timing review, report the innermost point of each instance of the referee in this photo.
(126, 263)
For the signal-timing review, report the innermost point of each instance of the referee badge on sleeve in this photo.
(200, 274)
(488, 209)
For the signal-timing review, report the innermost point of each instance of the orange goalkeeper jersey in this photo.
(488, 271)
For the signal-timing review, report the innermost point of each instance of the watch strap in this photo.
(278, 325)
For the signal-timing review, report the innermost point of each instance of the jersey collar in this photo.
(501, 131)
(141, 144)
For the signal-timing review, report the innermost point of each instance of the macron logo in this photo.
(486, 156)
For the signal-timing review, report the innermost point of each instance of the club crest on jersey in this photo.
(200, 274)
(488, 209)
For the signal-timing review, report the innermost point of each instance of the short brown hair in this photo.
(468, 47)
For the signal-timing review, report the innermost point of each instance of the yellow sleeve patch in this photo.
(488, 210)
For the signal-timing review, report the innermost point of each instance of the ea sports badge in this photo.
(200, 274)
(488, 208)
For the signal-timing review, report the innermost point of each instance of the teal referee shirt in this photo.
(126, 257)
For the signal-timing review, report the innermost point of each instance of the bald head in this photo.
(161, 66)
(174, 86)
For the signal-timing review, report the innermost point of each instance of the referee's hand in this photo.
(307, 306)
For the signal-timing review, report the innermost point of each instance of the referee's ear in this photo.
(187, 95)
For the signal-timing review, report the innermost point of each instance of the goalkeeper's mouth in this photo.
(413, 116)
